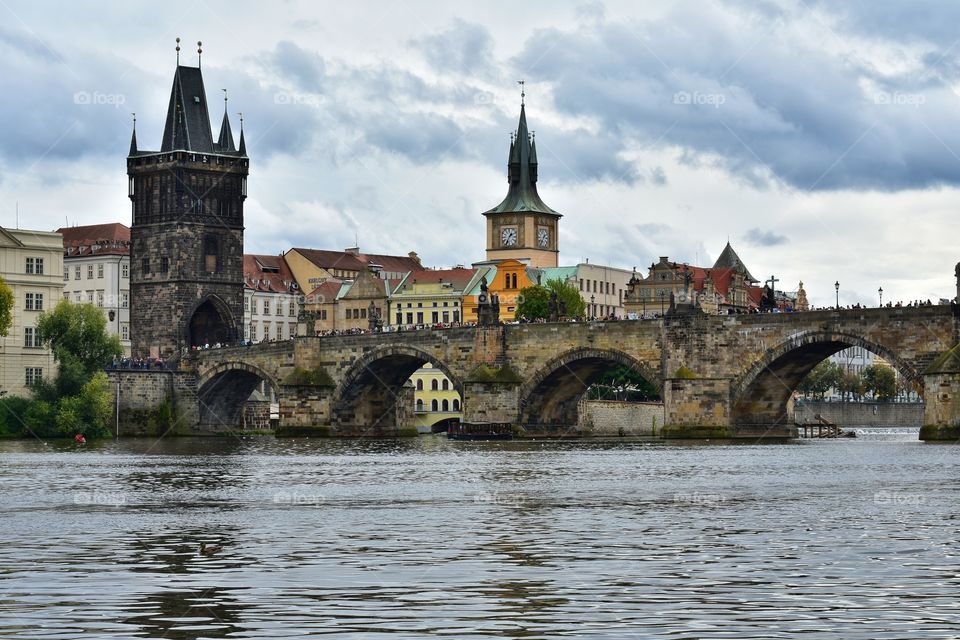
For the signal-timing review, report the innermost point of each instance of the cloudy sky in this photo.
(821, 137)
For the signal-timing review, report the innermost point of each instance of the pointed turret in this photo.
(730, 260)
(133, 143)
(187, 126)
(522, 194)
(225, 141)
(243, 145)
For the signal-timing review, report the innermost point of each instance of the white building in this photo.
(271, 299)
(96, 269)
(602, 288)
(30, 263)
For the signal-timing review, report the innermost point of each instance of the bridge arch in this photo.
(210, 321)
(223, 392)
(760, 394)
(367, 397)
(552, 394)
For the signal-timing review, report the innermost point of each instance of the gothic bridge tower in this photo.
(186, 237)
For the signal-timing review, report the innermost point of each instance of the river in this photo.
(426, 538)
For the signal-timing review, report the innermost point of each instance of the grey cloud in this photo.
(761, 238)
(463, 48)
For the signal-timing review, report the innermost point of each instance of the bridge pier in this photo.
(941, 395)
(304, 410)
(490, 402)
(697, 408)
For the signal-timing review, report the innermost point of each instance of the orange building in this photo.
(505, 278)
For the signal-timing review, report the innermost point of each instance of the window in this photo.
(145, 266)
(246, 303)
(581, 284)
(164, 264)
(446, 405)
(419, 317)
(124, 332)
(266, 307)
(399, 318)
(89, 272)
(446, 316)
(100, 297)
(33, 302)
(124, 300)
(90, 297)
(435, 317)
(434, 405)
(34, 374)
(292, 312)
(77, 297)
(456, 316)
(419, 405)
(445, 385)
(323, 314)
(211, 254)
(76, 272)
(456, 405)
(279, 307)
(420, 384)
(125, 270)
(100, 270)
(433, 385)
(66, 273)
(28, 337)
(32, 266)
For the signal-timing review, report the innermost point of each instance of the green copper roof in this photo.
(522, 194)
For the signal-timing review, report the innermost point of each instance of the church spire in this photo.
(187, 126)
(243, 145)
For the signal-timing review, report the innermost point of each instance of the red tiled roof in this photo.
(325, 292)
(392, 264)
(332, 259)
(459, 278)
(257, 278)
(96, 239)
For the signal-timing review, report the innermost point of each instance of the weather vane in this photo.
(522, 88)
(178, 51)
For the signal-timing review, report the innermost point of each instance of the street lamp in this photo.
(593, 308)
(836, 286)
(880, 291)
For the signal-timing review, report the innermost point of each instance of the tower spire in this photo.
(225, 141)
(199, 52)
(133, 137)
(178, 51)
(243, 145)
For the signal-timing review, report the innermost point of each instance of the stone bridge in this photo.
(720, 376)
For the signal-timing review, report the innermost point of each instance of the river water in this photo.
(429, 538)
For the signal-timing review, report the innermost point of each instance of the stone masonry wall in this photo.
(862, 414)
(615, 418)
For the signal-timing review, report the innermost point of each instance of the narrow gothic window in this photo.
(211, 254)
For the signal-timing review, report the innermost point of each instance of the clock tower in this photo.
(522, 226)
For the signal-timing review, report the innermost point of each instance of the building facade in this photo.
(313, 267)
(522, 226)
(429, 297)
(271, 302)
(96, 269)
(31, 263)
(186, 238)
(503, 279)
(436, 402)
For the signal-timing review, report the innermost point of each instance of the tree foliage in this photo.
(77, 334)
(821, 379)
(535, 300)
(623, 383)
(877, 380)
(881, 381)
(6, 307)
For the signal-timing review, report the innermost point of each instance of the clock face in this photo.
(543, 237)
(508, 236)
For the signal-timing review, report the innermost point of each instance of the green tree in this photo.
(6, 307)
(851, 386)
(623, 383)
(822, 378)
(534, 303)
(880, 380)
(77, 334)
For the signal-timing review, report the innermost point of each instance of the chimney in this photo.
(413, 256)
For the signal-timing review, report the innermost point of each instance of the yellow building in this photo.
(313, 267)
(31, 263)
(429, 297)
(506, 279)
(436, 402)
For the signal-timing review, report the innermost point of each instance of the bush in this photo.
(317, 377)
(13, 409)
(483, 373)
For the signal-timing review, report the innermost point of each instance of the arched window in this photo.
(514, 278)
(433, 384)
(433, 405)
(456, 405)
(420, 384)
(446, 405)
(445, 384)
(419, 405)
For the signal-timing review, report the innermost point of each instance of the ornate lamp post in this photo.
(593, 307)
(880, 291)
(836, 286)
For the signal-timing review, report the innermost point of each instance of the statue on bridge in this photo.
(488, 307)
(553, 307)
(373, 318)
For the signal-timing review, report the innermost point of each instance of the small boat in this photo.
(480, 431)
